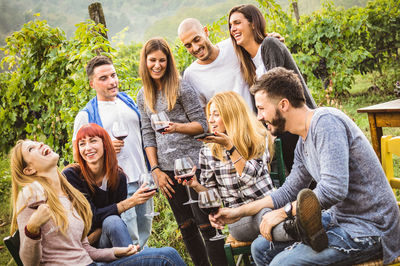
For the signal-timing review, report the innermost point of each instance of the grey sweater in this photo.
(187, 109)
(350, 180)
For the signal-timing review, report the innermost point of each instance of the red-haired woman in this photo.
(103, 183)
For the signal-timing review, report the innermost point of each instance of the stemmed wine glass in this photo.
(32, 196)
(152, 184)
(120, 131)
(160, 122)
(185, 170)
(210, 202)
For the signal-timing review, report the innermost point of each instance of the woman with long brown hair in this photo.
(163, 91)
(258, 54)
(55, 232)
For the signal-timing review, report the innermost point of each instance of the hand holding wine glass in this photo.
(152, 184)
(210, 202)
(32, 196)
(185, 170)
(120, 131)
(159, 123)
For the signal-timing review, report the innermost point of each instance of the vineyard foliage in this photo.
(45, 83)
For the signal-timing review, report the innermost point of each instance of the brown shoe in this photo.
(309, 223)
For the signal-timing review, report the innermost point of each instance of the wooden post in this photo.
(296, 11)
(96, 14)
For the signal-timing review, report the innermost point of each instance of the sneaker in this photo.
(308, 220)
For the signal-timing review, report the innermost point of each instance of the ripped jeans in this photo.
(342, 249)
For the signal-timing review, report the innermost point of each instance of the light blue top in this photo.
(350, 180)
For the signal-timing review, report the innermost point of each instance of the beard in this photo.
(279, 123)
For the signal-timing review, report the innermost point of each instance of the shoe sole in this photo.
(308, 212)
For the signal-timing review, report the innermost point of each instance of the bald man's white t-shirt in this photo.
(223, 74)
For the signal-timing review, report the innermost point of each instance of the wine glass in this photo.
(185, 170)
(152, 184)
(32, 196)
(120, 131)
(210, 202)
(160, 122)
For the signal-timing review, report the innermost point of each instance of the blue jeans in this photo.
(342, 249)
(114, 233)
(148, 257)
(139, 226)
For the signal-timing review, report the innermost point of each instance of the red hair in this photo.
(110, 163)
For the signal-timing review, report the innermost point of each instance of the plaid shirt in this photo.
(235, 190)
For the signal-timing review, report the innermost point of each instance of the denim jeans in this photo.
(342, 249)
(114, 233)
(139, 226)
(148, 257)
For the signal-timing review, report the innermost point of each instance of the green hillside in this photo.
(144, 18)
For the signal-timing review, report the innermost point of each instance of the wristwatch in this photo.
(229, 152)
(288, 210)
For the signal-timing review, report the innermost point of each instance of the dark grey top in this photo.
(187, 109)
(350, 180)
(276, 54)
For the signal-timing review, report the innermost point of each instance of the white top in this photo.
(258, 62)
(223, 74)
(109, 111)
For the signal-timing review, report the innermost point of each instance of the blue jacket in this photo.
(92, 109)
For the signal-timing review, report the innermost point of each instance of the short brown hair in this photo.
(281, 83)
(95, 62)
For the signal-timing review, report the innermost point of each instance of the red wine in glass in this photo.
(184, 169)
(120, 137)
(152, 185)
(210, 210)
(161, 130)
(210, 202)
(186, 177)
(36, 204)
(32, 196)
(120, 131)
(159, 122)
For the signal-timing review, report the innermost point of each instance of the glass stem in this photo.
(188, 191)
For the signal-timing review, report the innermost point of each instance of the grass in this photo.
(5, 210)
(165, 232)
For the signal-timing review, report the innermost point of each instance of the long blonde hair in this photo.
(19, 180)
(170, 80)
(247, 133)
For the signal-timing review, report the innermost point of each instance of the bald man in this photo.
(217, 67)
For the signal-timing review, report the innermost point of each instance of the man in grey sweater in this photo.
(360, 216)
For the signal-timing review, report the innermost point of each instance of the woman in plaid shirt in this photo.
(235, 161)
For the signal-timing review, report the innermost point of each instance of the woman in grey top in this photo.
(164, 91)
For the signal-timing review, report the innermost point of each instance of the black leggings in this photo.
(190, 219)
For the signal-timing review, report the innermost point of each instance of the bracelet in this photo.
(238, 160)
(155, 167)
(32, 235)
